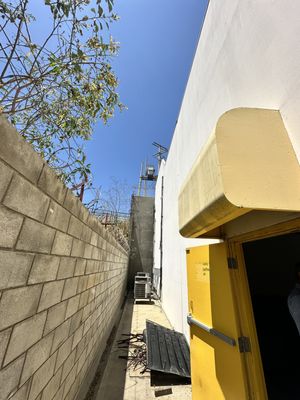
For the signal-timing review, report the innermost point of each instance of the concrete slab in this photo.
(120, 383)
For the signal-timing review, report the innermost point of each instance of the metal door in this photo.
(217, 363)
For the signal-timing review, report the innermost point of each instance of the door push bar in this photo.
(212, 331)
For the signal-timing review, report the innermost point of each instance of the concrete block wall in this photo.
(62, 280)
(142, 235)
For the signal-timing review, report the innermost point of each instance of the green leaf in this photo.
(110, 5)
(100, 11)
(96, 27)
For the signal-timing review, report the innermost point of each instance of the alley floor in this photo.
(121, 383)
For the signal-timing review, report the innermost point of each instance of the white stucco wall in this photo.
(248, 56)
(157, 229)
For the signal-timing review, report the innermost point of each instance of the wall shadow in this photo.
(110, 378)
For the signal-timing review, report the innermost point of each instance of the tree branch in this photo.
(15, 42)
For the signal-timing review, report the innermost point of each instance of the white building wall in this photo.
(157, 245)
(248, 56)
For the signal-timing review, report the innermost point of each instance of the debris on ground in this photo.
(136, 349)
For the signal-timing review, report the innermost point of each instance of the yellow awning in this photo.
(247, 164)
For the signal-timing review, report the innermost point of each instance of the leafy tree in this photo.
(56, 78)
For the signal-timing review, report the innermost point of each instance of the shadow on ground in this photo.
(148, 302)
(161, 379)
(123, 325)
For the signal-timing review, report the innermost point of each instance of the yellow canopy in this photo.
(247, 164)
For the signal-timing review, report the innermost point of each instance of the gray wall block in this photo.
(63, 279)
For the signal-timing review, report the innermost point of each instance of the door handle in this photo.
(212, 331)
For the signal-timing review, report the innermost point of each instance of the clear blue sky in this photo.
(157, 39)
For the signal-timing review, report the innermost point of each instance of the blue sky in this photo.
(157, 39)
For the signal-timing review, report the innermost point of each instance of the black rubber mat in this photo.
(167, 350)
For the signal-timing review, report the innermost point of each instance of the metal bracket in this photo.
(244, 344)
(232, 263)
(212, 331)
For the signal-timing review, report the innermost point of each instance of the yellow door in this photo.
(217, 365)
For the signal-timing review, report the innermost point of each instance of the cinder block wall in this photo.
(142, 235)
(62, 280)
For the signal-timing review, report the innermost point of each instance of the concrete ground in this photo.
(121, 383)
